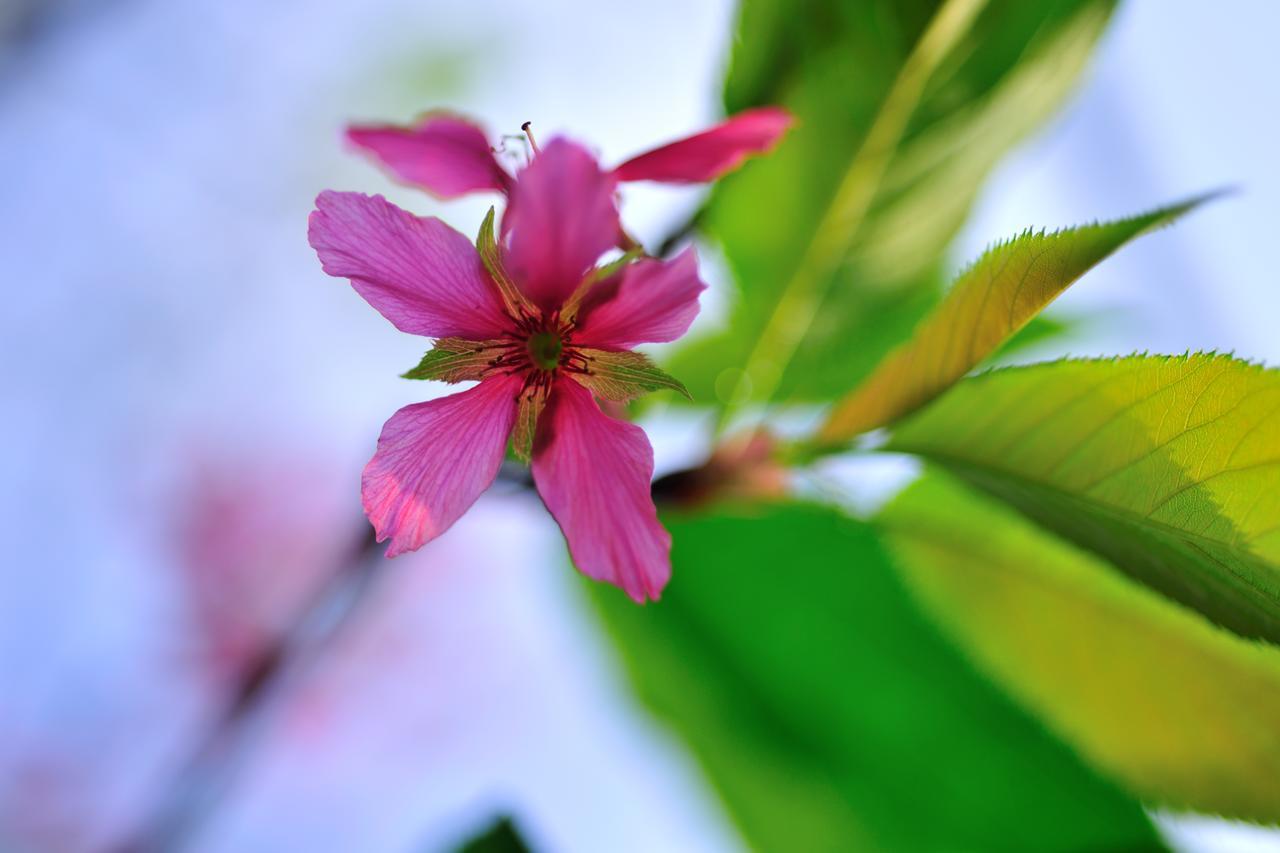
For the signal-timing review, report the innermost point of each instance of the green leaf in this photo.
(870, 322)
(1042, 329)
(501, 837)
(1010, 284)
(458, 360)
(623, 376)
(831, 715)
(1167, 466)
(1185, 714)
(833, 67)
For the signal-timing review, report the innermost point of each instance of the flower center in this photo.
(545, 349)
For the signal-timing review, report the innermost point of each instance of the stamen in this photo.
(577, 363)
(527, 127)
(528, 324)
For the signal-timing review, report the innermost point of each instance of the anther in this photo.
(527, 127)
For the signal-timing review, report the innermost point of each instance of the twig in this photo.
(681, 233)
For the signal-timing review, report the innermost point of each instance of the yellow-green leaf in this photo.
(458, 360)
(1185, 714)
(1167, 466)
(623, 376)
(989, 302)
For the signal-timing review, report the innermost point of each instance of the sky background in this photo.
(168, 333)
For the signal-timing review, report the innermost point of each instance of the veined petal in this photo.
(420, 274)
(651, 301)
(446, 155)
(708, 155)
(434, 459)
(593, 474)
(562, 217)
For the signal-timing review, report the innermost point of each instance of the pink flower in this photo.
(449, 156)
(531, 317)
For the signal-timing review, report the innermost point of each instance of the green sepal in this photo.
(624, 376)
(532, 401)
(516, 303)
(604, 272)
(458, 360)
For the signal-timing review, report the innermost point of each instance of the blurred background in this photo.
(188, 400)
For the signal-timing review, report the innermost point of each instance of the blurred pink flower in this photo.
(449, 156)
(255, 535)
(43, 800)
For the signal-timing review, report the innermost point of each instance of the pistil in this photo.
(527, 127)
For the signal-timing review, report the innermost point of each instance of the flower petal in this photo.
(434, 459)
(593, 474)
(421, 275)
(708, 155)
(445, 155)
(652, 301)
(562, 217)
